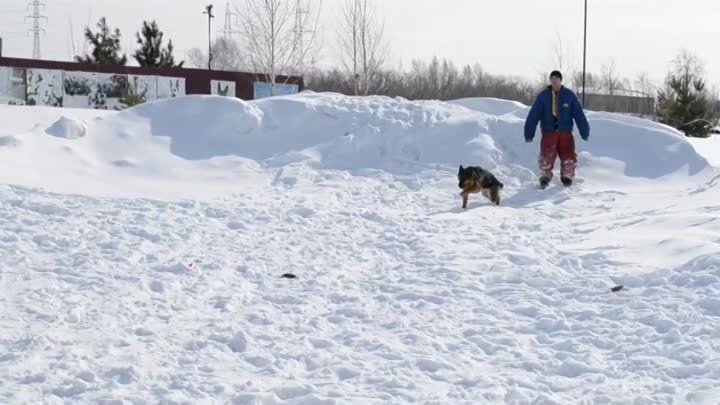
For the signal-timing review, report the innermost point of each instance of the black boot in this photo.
(566, 181)
(544, 181)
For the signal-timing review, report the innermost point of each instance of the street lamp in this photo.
(584, 55)
(208, 11)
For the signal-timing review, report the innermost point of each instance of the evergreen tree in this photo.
(151, 53)
(684, 103)
(132, 95)
(106, 46)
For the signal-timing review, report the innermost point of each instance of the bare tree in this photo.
(609, 77)
(560, 59)
(611, 84)
(227, 55)
(559, 54)
(196, 58)
(715, 101)
(591, 81)
(281, 37)
(644, 85)
(363, 50)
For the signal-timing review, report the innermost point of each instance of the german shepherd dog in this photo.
(475, 179)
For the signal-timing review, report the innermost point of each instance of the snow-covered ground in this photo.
(708, 147)
(141, 255)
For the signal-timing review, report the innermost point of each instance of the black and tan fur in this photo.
(475, 179)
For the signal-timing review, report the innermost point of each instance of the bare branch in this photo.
(281, 37)
(362, 48)
(610, 79)
(227, 55)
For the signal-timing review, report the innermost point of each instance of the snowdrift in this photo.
(337, 132)
(67, 128)
(205, 138)
(489, 105)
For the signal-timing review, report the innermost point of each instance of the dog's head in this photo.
(467, 176)
(461, 176)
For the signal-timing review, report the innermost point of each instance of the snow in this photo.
(141, 263)
(708, 147)
(489, 105)
(67, 128)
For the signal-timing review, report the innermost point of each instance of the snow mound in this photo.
(489, 105)
(68, 128)
(648, 151)
(708, 147)
(211, 142)
(331, 131)
(9, 140)
(402, 137)
(199, 127)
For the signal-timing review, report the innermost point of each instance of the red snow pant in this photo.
(554, 145)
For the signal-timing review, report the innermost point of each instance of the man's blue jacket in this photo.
(569, 108)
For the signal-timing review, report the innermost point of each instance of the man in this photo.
(555, 108)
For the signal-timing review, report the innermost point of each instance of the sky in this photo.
(510, 37)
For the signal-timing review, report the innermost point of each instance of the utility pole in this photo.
(208, 11)
(584, 55)
(36, 29)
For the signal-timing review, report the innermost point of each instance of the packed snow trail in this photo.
(402, 297)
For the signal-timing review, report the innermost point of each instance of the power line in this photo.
(36, 29)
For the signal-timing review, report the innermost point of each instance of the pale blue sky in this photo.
(506, 37)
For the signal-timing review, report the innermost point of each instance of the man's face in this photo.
(555, 82)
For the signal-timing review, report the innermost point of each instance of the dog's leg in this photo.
(486, 193)
(495, 196)
(465, 199)
(492, 195)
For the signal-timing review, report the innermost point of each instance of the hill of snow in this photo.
(141, 253)
(210, 143)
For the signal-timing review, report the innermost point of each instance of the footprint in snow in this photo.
(71, 388)
(236, 226)
(216, 213)
(157, 286)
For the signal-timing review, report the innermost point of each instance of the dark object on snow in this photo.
(617, 288)
(288, 275)
(475, 179)
(544, 181)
